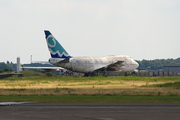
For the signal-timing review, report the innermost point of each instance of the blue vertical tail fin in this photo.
(55, 48)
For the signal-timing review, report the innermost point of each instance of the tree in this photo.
(1, 71)
(148, 68)
(6, 70)
(49, 74)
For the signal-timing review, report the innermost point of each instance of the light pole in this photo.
(31, 59)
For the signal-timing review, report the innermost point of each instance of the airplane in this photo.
(90, 66)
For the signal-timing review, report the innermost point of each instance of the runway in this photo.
(91, 111)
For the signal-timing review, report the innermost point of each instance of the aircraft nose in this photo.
(137, 65)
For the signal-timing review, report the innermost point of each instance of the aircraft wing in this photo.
(51, 68)
(44, 62)
(43, 67)
(113, 66)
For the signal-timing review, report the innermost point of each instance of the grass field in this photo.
(91, 99)
(37, 85)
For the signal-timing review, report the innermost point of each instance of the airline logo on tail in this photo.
(55, 48)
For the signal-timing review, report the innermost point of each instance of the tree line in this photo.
(156, 64)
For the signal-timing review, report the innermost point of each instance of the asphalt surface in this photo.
(90, 111)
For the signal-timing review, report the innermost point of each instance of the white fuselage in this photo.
(90, 64)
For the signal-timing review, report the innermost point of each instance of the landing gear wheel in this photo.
(86, 74)
(105, 73)
(95, 73)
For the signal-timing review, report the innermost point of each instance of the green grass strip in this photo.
(91, 99)
(175, 85)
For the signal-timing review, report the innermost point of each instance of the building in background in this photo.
(175, 69)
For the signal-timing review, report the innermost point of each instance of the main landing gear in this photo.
(95, 73)
(125, 74)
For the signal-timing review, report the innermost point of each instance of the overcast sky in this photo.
(142, 29)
